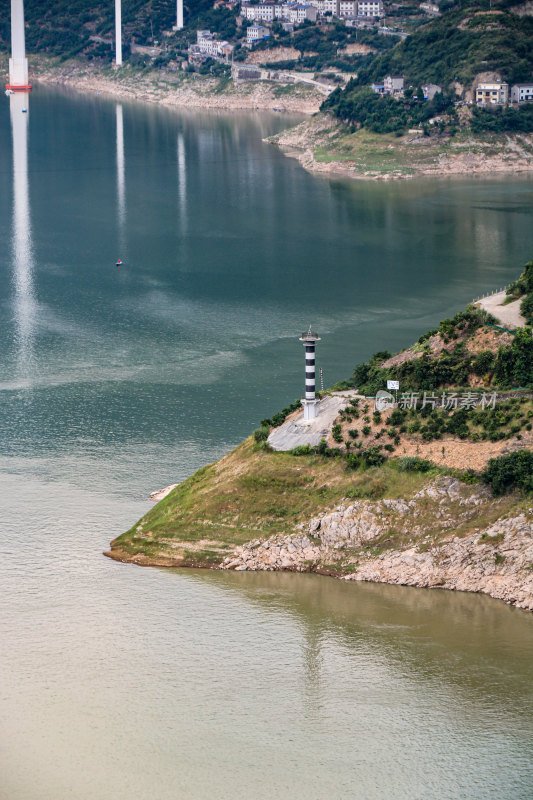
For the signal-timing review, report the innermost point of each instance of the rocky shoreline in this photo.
(320, 147)
(177, 90)
(353, 543)
(318, 142)
(448, 535)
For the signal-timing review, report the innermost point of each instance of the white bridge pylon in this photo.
(118, 33)
(18, 63)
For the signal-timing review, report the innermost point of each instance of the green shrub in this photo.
(336, 433)
(511, 471)
(373, 457)
(261, 434)
(483, 362)
(414, 464)
(301, 450)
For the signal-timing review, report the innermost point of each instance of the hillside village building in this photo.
(264, 12)
(370, 8)
(256, 33)
(492, 94)
(348, 8)
(431, 9)
(522, 93)
(208, 47)
(393, 84)
(294, 13)
(297, 13)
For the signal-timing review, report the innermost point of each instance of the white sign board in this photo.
(393, 385)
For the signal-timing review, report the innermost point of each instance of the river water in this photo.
(120, 682)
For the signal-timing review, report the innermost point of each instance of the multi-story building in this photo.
(488, 94)
(324, 7)
(522, 93)
(370, 8)
(207, 46)
(264, 12)
(347, 8)
(393, 84)
(295, 13)
(299, 12)
(256, 33)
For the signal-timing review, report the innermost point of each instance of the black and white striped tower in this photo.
(310, 401)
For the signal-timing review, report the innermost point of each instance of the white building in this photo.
(431, 9)
(370, 8)
(264, 12)
(256, 33)
(393, 84)
(324, 7)
(522, 93)
(347, 8)
(299, 12)
(207, 45)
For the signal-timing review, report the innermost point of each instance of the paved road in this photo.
(509, 316)
(296, 432)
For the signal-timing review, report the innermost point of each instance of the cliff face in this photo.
(448, 535)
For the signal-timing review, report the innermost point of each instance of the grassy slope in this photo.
(250, 493)
(253, 494)
(380, 154)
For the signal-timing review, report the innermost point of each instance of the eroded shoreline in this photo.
(178, 90)
(323, 146)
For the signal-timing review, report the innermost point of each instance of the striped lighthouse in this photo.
(310, 401)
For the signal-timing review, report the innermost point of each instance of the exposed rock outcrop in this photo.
(430, 540)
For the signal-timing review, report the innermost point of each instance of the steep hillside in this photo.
(468, 39)
(86, 27)
(467, 43)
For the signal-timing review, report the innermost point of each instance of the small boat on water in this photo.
(9, 91)
(118, 263)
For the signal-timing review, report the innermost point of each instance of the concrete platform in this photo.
(295, 432)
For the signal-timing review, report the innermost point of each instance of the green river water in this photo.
(118, 682)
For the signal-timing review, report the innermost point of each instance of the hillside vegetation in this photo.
(468, 40)
(58, 28)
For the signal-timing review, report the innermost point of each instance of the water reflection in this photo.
(121, 177)
(22, 246)
(182, 181)
(457, 641)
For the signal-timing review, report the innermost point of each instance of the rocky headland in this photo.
(325, 146)
(356, 541)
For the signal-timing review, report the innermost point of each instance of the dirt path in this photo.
(509, 315)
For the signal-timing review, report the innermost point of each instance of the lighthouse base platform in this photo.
(298, 430)
(310, 409)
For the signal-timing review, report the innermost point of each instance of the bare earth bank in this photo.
(323, 145)
(179, 89)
